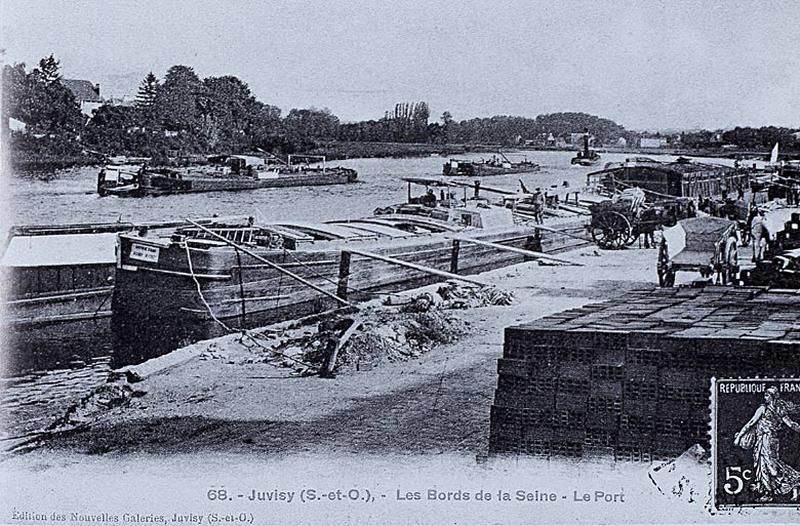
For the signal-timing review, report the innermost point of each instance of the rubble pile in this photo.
(401, 328)
(98, 401)
(383, 335)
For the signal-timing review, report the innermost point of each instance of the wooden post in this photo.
(344, 274)
(454, 256)
(330, 360)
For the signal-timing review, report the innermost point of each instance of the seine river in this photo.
(32, 395)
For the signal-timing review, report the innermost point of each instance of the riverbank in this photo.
(226, 397)
(218, 416)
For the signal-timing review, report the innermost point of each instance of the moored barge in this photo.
(220, 173)
(57, 282)
(495, 166)
(682, 178)
(200, 282)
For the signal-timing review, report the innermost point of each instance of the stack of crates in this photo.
(630, 378)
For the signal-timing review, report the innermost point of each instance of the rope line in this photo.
(200, 291)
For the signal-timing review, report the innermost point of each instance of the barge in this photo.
(495, 166)
(199, 283)
(220, 173)
(57, 282)
(682, 178)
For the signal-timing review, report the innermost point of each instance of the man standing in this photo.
(758, 233)
(538, 206)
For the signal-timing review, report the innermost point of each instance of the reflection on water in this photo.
(47, 368)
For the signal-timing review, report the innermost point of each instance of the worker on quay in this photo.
(429, 199)
(538, 206)
(758, 234)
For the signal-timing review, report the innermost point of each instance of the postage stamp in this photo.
(756, 442)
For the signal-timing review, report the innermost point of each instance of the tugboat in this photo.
(501, 165)
(218, 173)
(586, 157)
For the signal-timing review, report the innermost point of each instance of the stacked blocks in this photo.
(630, 378)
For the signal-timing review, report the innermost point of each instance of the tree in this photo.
(49, 70)
(228, 111)
(148, 89)
(40, 100)
(304, 126)
(180, 101)
(447, 125)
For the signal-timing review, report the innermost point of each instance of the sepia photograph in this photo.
(399, 262)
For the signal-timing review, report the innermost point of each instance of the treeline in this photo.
(182, 113)
(745, 138)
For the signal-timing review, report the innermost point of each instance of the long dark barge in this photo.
(199, 283)
(494, 166)
(220, 173)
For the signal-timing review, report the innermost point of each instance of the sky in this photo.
(645, 64)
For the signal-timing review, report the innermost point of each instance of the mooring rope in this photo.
(244, 332)
(200, 291)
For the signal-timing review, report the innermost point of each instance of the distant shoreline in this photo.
(25, 161)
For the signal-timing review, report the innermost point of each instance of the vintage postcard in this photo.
(399, 262)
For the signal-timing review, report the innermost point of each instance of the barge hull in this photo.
(163, 306)
(197, 185)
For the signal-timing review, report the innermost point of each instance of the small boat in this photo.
(586, 157)
(219, 173)
(501, 165)
(198, 282)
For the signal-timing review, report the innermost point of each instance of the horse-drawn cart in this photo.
(617, 223)
(702, 244)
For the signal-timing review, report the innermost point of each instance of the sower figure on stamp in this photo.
(772, 475)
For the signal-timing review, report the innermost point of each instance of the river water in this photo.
(33, 395)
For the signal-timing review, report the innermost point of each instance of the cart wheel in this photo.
(611, 230)
(730, 262)
(666, 276)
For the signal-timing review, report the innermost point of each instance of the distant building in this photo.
(16, 125)
(653, 142)
(85, 93)
(622, 142)
(576, 139)
(127, 102)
